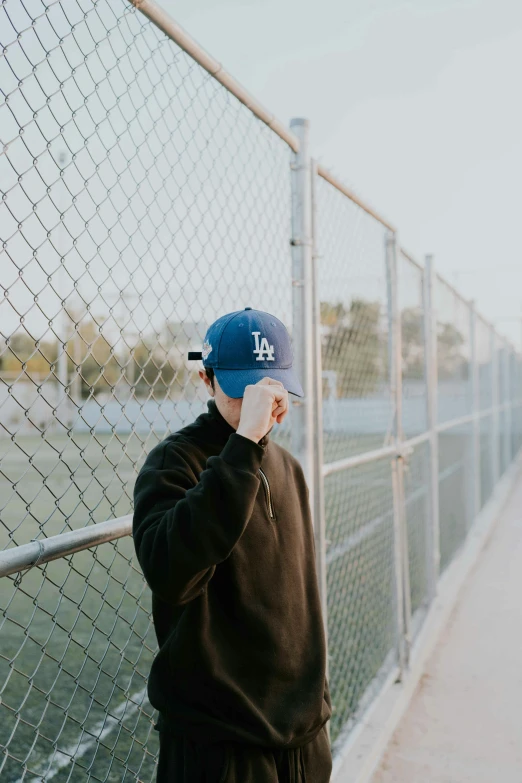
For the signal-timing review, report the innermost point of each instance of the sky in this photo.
(415, 105)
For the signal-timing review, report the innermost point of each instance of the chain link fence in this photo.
(142, 198)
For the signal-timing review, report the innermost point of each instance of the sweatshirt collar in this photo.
(224, 427)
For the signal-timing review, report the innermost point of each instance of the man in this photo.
(223, 533)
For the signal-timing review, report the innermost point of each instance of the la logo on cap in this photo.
(263, 349)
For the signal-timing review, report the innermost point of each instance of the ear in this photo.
(206, 380)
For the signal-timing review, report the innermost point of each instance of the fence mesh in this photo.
(361, 592)
(417, 500)
(353, 297)
(516, 406)
(453, 319)
(504, 402)
(455, 490)
(77, 646)
(358, 416)
(487, 479)
(410, 281)
(484, 351)
(141, 201)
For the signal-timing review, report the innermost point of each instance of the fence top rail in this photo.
(505, 343)
(467, 302)
(484, 321)
(411, 259)
(336, 183)
(175, 32)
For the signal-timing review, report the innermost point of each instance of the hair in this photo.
(210, 375)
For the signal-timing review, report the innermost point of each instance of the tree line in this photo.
(354, 341)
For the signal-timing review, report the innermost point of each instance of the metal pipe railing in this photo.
(176, 33)
(400, 543)
(40, 551)
(336, 183)
(44, 550)
(431, 380)
(411, 259)
(359, 459)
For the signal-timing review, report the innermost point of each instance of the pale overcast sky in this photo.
(416, 105)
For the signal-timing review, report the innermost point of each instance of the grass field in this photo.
(77, 640)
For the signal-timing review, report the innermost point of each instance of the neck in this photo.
(226, 427)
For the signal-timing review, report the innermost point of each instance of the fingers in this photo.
(278, 395)
(280, 401)
(267, 381)
(280, 405)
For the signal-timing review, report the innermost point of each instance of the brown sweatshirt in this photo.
(223, 533)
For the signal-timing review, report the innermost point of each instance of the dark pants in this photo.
(181, 760)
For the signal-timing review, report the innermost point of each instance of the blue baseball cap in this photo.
(244, 346)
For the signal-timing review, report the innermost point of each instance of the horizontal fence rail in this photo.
(146, 193)
(42, 551)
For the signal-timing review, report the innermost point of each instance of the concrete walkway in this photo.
(464, 724)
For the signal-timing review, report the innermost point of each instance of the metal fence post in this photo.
(475, 406)
(511, 418)
(401, 559)
(511, 396)
(319, 495)
(302, 302)
(506, 407)
(307, 425)
(495, 451)
(430, 338)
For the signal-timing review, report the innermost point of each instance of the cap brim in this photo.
(233, 382)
